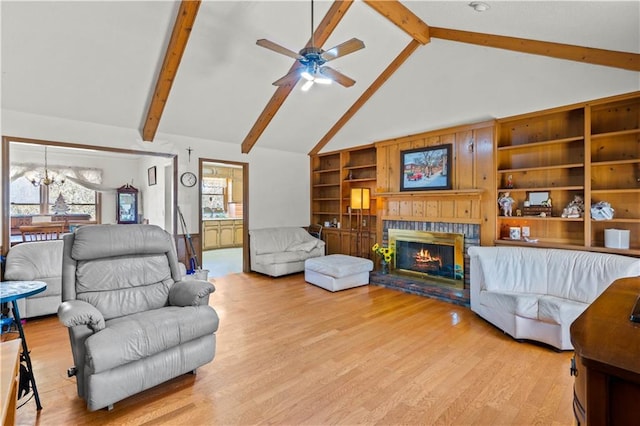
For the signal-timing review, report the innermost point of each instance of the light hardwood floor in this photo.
(292, 353)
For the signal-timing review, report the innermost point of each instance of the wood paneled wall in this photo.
(472, 197)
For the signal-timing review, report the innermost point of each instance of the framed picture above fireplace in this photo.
(425, 169)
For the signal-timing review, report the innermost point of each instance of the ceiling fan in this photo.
(313, 60)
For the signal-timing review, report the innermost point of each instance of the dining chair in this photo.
(42, 232)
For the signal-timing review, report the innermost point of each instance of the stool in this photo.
(337, 271)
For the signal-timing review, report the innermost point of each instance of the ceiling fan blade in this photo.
(337, 76)
(277, 48)
(291, 78)
(342, 49)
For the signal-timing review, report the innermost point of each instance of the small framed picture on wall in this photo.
(151, 174)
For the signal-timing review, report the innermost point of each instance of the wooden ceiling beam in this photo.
(179, 37)
(335, 14)
(405, 19)
(382, 78)
(608, 58)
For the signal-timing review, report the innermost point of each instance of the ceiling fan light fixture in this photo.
(320, 79)
(307, 85)
(306, 75)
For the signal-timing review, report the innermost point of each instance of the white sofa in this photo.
(37, 261)
(281, 251)
(536, 293)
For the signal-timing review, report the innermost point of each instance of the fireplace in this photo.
(437, 257)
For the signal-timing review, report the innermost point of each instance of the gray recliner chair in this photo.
(132, 323)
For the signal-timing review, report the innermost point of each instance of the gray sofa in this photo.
(281, 251)
(37, 261)
(132, 323)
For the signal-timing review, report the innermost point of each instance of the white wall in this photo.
(278, 181)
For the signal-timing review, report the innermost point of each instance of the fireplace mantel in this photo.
(453, 206)
(433, 194)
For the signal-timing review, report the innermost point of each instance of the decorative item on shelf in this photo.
(602, 210)
(617, 238)
(514, 233)
(350, 176)
(506, 202)
(386, 255)
(575, 208)
(509, 183)
(60, 206)
(537, 204)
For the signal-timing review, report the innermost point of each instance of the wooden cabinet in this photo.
(591, 150)
(226, 234)
(331, 237)
(222, 233)
(211, 235)
(333, 175)
(606, 364)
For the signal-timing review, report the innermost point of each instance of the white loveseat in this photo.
(37, 261)
(536, 293)
(281, 251)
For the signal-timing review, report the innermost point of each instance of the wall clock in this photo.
(188, 179)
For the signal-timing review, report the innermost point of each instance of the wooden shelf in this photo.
(329, 201)
(546, 218)
(617, 220)
(616, 191)
(446, 192)
(326, 171)
(545, 243)
(615, 162)
(360, 180)
(365, 166)
(544, 188)
(607, 172)
(536, 145)
(542, 168)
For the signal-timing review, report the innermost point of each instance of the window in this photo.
(27, 199)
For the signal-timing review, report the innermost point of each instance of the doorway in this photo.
(73, 162)
(223, 218)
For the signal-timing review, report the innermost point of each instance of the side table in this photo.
(11, 291)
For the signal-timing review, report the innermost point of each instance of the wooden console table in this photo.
(607, 358)
(9, 376)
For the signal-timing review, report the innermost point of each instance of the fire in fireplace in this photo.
(437, 257)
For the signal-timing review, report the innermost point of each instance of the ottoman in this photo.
(337, 271)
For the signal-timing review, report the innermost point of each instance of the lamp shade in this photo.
(360, 198)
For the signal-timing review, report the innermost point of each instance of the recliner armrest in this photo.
(190, 293)
(76, 312)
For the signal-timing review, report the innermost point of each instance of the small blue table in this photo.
(11, 291)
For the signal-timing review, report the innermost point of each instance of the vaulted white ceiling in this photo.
(98, 62)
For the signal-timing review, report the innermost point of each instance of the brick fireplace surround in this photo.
(423, 287)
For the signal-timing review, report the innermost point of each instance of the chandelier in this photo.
(47, 179)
